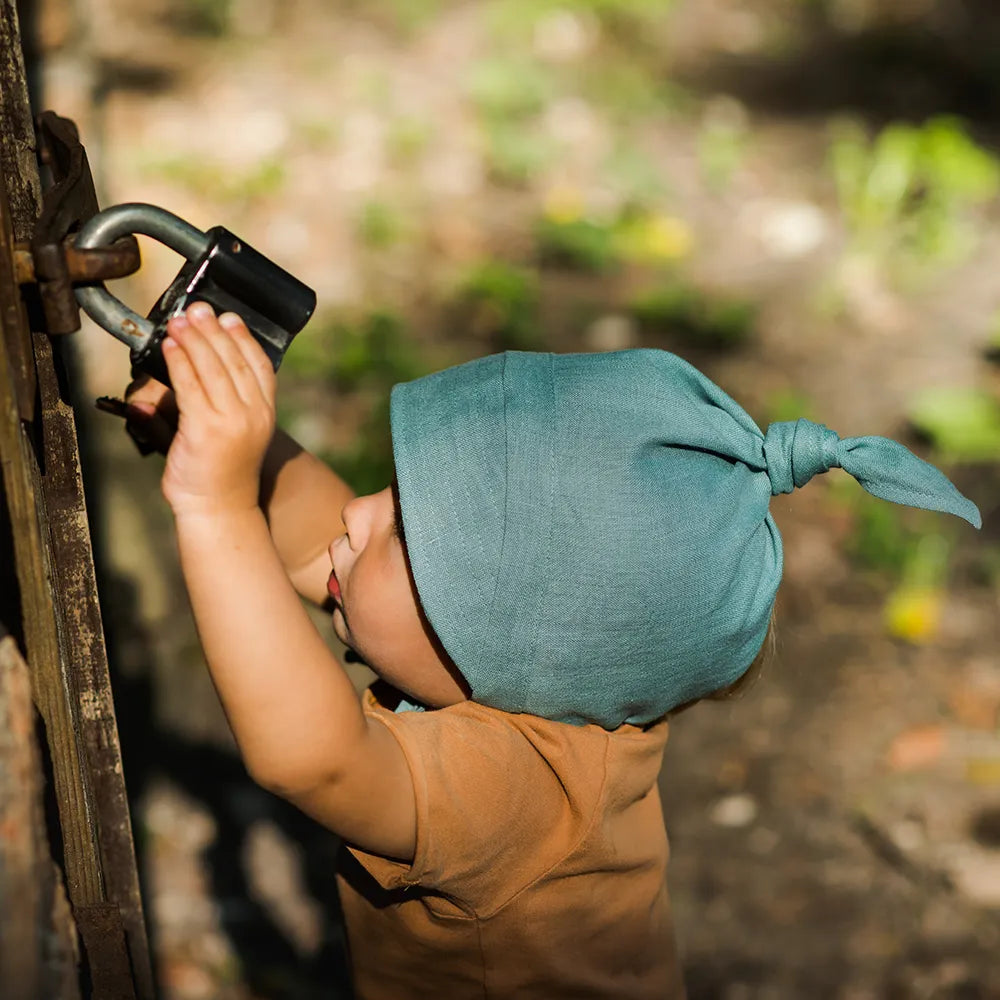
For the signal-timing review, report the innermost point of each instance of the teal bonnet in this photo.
(589, 534)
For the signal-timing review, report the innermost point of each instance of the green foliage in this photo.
(580, 243)
(963, 424)
(881, 538)
(986, 565)
(787, 404)
(379, 225)
(992, 351)
(407, 138)
(374, 353)
(909, 188)
(412, 15)
(368, 464)
(508, 92)
(651, 237)
(504, 300)
(373, 86)
(203, 17)
(628, 89)
(569, 237)
(366, 358)
(926, 564)
(628, 86)
(682, 311)
(620, 8)
(722, 142)
(908, 546)
(405, 16)
(516, 153)
(720, 152)
(523, 15)
(633, 173)
(506, 87)
(317, 133)
(215, 182)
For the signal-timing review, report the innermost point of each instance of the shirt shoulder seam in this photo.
(595, 812)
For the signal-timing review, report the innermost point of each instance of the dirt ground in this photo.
(835, 833)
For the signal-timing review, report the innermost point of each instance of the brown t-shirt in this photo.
(539, 869)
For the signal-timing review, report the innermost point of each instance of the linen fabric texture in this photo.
(589, 534)
(539, 869)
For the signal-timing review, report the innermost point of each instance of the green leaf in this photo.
(509, 88)
(504, 299)
(581, 243)
(964, 424)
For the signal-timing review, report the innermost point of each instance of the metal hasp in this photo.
(221, 270)
(116, 261)
(68, 200)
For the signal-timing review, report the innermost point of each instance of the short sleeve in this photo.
(500, 799)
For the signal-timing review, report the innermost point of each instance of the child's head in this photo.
(589, 534)
(376, 608)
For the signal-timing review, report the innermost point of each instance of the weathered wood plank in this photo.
(38, 613)
(61, 621)
(84, 652)
(38, 955)
(17, 152)
(21, 822)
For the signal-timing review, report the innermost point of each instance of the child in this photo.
(574, 546)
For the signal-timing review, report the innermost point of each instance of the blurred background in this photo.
(798, 196)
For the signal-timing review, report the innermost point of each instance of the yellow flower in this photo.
(563, 204)
(669, 237)
(656, 238)
(913, 613)
(983, 771)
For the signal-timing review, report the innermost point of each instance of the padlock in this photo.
(220, 269)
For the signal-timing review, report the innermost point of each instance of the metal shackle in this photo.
(102, 230)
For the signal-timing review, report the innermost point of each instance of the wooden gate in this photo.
(71, 920)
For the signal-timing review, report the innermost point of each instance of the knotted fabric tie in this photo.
(795, 451)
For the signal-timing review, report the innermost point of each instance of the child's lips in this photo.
(333, 588)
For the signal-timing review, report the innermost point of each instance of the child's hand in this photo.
(224, 385)
(151, 413)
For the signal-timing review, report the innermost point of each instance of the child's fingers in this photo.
(215, 378)
(149, 428)
(145, 391)
(253, 354)
(231, 357)
(187, 386)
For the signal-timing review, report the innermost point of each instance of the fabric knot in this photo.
(797, 450)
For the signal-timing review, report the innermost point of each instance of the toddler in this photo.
(573, 547)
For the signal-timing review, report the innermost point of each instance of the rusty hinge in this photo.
(97, 264)
(68, 200)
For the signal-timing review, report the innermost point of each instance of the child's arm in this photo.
(294, 712)
(302, 498)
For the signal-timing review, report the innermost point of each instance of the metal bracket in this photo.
(83, 266)
(68, 202)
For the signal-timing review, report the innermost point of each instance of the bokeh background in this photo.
(798, 196)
